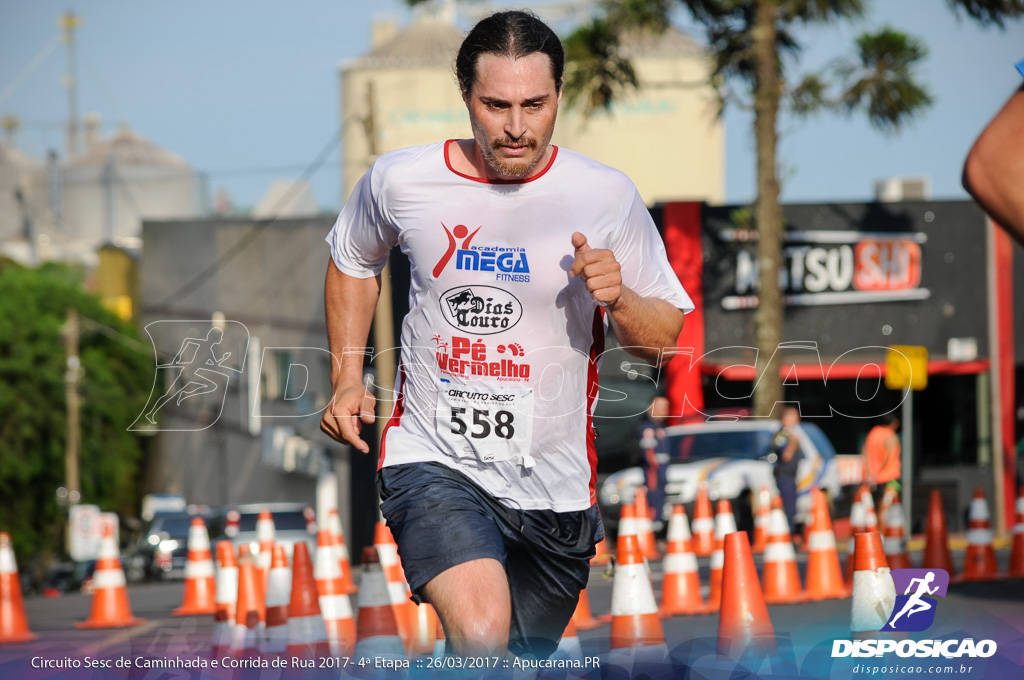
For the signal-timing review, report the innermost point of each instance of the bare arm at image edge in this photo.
(994, 169)
(349, 302)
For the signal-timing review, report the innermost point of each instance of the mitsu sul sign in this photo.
(833, 267)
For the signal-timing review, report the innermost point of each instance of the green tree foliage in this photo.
(114, 386)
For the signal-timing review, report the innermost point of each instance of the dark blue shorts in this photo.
(440, 519)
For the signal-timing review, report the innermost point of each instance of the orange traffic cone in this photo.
(423, 633)
(279, 593)
(13, 624)
(781, 575)
(858, 524)
(250, 612)
(725, 524)
(398, 588)
(980, 562)
(936, 540)
(628, 526)
(762, 519)
(1016, 566)
(110, 606)
(703, 524)
(378, 630)
(644, 525)
(226, 597)
(635, 621)
(582, 618)
(601, 554)
(895, 536)
(824, 575)
(307, 634)
(343, 556)
(266, 534)
(680, 587)
(200, 588)
(874, 593)
(334, 603)
(744, 621)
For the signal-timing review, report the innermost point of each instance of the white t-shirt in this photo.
(498, 366)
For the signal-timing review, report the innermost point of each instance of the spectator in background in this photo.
(786, 447)
(654, 447)
(881, 453)
(994, 169)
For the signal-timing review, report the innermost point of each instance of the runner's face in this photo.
(512, 109)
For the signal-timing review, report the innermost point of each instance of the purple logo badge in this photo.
(915, 607)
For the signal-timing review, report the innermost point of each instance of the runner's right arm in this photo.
(350, 302)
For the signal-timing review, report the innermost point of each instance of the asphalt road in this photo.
(990, 610)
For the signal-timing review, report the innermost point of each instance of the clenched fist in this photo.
(600, 271)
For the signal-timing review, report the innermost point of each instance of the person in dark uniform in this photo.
(786, 447)
(654, 450)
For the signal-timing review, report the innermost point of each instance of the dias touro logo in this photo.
(483, 310)
(508, 263)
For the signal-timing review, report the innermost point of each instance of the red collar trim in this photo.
(484, 180)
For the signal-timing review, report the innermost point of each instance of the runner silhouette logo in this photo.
(915, 608)
(195, 362)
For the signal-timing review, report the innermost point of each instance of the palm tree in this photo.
(752, 45)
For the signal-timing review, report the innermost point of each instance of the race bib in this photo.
(489, 424)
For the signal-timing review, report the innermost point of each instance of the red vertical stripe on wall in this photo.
(681, 230)
(1005, 366)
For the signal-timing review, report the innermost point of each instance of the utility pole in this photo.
(68, 23)
(71, 378)
(383, 316)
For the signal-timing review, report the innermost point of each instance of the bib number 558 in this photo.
(481, 422)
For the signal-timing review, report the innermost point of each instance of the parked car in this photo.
(293, 522)
(161, 550)
(727, 457)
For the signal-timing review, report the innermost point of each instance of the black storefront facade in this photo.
(857, 279)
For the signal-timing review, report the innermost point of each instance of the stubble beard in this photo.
(515, 168)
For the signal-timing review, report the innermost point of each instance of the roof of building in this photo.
(670, 43)
(12, 156)
(427, 41)
(126, 147)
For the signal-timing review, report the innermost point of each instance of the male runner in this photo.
(520, 253)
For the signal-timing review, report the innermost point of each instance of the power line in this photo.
(258, 226)
(29, 69)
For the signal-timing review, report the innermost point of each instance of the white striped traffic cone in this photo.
(980, 561)
(266, 535)
(680, 586)
(895, 536)
(378, 632)
(307, 634)
(343, 556)
(13, 624)
(781, 575)
(334, 603)
(226, 597)
(725, 524)
(200, 586)
(110, 606)
(279, 593)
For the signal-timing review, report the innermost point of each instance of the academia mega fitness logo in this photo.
(508, 263)
(914, 611)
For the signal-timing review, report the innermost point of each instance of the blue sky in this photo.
(247, 91)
